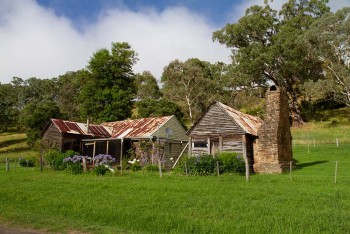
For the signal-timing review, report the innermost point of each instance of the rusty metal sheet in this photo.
(144, 127)
(80, 128)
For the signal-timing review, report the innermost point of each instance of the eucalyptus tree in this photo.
(266, 47)
(147, 86)
(70, 85)
(329, 40)
(186, 83)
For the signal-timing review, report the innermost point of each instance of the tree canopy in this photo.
(266, 47)
(109, 90)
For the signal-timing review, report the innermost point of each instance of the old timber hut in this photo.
(223, 128)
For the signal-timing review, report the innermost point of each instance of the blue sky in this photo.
(216, 11)
(47, 38)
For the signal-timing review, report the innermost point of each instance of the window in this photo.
(200, 144)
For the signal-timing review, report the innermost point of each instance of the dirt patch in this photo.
(8, 230)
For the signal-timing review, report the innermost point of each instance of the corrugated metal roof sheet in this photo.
(81, 129)
(250, 124)
(134, 128)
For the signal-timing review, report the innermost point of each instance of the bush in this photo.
(100, 170)
(204, 164)
(135, 167)
(54, 158)
(231, 162)
(27, 162)
(73, 164)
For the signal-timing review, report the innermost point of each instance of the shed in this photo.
(67, 135)
(167, 130)
(116, 138)
(223, 128)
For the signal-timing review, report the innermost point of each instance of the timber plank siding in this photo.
(216, 122)
(222, 129)
(53, 135)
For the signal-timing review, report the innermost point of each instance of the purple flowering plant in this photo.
(103, 159)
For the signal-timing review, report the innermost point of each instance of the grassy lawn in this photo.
(307, 202)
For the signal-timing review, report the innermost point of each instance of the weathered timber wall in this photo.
(216, 122)
(53, 136)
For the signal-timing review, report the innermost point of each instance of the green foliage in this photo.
(204, 164)
(107, 94)
(146, 86)
(231, 162)
(161, 107)
(54, 158)
(328, 40)
(100, 170)
(74, 168)
(193, 85)
(8, 111)
(135, 166)
(267, 48)
(70, 86)
(27, 162)
(35, 116)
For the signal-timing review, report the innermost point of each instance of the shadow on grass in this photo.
(310, 164)
(11, 142)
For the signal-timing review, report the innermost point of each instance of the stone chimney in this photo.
(273, 149)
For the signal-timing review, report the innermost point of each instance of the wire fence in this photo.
(314, 160)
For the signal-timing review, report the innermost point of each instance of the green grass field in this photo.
(307, 202)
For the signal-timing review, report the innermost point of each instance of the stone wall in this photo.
(273, 148)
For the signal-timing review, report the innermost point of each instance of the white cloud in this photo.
(36, 42)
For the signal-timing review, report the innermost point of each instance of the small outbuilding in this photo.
(68, 135)
(118, 138)
(223, 128)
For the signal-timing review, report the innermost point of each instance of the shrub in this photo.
(54, 158)
(27, 162)
(204, 164)
(73, 164)
(100, 170)
(231, 162)
(135, 166)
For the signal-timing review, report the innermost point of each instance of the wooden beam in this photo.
(189, 146)
(244, 146)
(220, 144)
(208, 145)
(107, 147)
(121, 155)
(93, 154)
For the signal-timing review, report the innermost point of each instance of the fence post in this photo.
(7, 164)
(337, 142)
(41, 162)
(308, 148)
(290, 169)
(217, 166)
(186, 169)
(336, 172)
(314, 143)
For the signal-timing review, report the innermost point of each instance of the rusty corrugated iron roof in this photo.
(65, 126)
(250, 124)
(133, 128)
